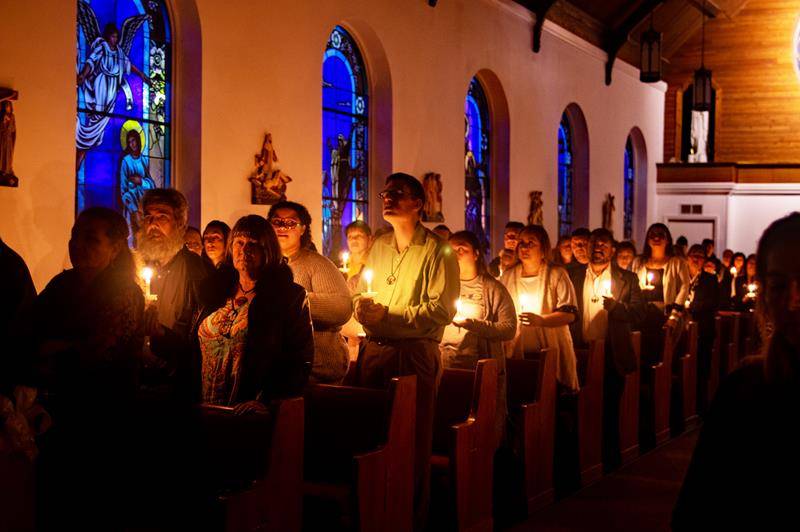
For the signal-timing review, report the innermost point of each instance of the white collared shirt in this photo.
(595, 317)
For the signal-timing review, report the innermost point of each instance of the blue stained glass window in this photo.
(630, 177)
(477, 163)
(123, 103)
(566, 172)
(345, 116)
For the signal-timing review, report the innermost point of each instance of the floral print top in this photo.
(222, 339)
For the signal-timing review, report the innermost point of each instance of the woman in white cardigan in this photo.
(545, 301)
(664, 280)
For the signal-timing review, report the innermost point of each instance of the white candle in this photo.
(345, 259)
(524, 303)
(606, 288)
(367, 275)
(147, 276)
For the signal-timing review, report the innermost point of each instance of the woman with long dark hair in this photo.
(545, 302)
(328, 294)
(486, 318)
(215, 243)
(256, 342)
(664, 280)
(746, 460)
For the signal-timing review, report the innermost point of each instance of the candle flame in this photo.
(147, 273)
(733, 270)
(345, 257)
(751, 288)
(368, 276)
(459, 306)
(607, 288)
(524, 300)
(650, 277)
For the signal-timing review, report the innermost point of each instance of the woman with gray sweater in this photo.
(485, 319)
(328, 295)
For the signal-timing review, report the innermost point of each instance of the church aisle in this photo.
(638, 497)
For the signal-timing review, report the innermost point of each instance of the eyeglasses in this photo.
(284, 223)
(393, 193)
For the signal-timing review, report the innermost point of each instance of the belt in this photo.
(397, 341)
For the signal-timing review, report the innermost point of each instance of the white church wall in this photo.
(261, 70)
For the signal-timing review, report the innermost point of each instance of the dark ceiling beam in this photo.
(711, 10)
(540, 9)
(618, 36)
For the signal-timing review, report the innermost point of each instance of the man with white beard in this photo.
(177, 278)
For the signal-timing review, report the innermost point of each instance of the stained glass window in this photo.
(630, 177)
(344, 139)
(477, 163)
(124, 95)
(566, 173)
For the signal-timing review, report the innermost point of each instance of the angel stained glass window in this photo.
(629, 188)
(122, 133)
(477, 163)
(566, 172)
(345, 116)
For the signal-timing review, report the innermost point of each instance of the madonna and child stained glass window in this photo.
(123, 126)
(565, 177)
(477, 163)
(630, 177)
(344, 139)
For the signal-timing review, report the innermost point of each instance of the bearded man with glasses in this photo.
(404, 310)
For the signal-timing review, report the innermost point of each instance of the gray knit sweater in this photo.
(331, 307)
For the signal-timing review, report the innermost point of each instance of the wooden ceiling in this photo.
(616, 25)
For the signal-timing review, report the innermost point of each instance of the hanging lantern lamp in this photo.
(650, 55)
(701, 95)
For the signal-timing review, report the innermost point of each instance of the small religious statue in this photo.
(432, 212)
(8, 137)
(535, 214)
(608, 212)
(267, 179)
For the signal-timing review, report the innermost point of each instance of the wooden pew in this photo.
(359, 452)
(686, 378)
(655, 396)
(464, 441)
(714, 369)
(590, 411)
(629, 407)
(532, 407)
(749, 340)
(731, 323)
(274, 500)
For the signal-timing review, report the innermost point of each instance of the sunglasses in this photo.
(284, 223)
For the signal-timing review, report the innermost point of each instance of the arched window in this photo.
(566, 172)
(630, 189)
(477, 163)
(345, 116)
(124, 98)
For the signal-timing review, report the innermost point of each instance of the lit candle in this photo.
(524, 303)
(606, 288)
(147, 276)
(733, 271)
(459, 317)
(345, 259)
(751, 290)
(649, 285)
(368, 274)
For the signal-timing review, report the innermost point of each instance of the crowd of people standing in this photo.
(240, 317)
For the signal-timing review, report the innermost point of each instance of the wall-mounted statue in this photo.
(8, 137)
(535, 214)
(608, 213)
(268, 182)
(432, 183)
